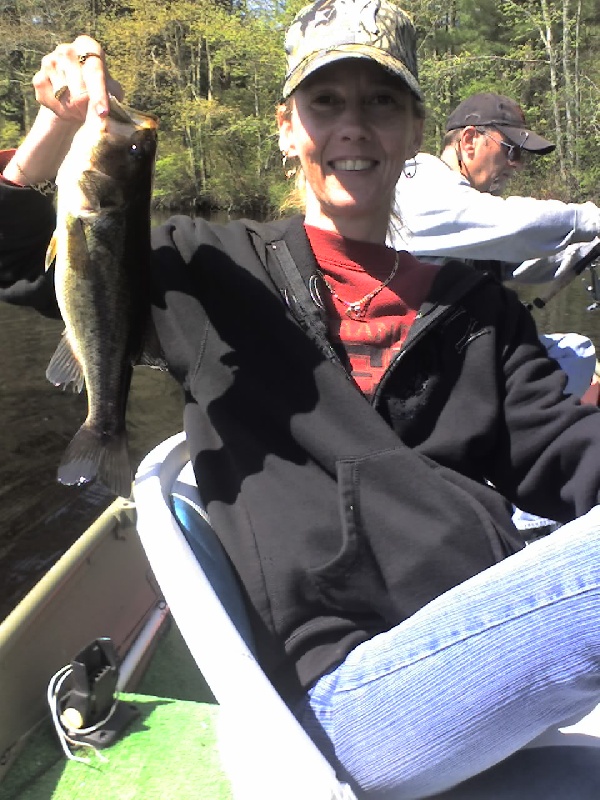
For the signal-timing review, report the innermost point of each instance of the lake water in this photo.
(39, 518)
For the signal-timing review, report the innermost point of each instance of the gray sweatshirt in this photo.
(443, 216)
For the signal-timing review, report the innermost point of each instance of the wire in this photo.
(54, 686)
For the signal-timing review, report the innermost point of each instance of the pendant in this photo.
(355, 311)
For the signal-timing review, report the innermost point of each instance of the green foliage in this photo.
(172, 181)
(9, 134)
(213, 77)
(212, 71)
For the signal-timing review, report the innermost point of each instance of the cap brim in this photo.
(324, 57)
(528, 140)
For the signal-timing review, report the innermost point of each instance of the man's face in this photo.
(490, 167)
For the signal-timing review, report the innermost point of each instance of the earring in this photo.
(289, 173)
(410, 168)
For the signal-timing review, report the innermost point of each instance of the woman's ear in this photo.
(286, 142)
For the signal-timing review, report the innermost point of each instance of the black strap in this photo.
(298, 297)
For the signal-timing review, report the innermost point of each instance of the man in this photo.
(451, 207)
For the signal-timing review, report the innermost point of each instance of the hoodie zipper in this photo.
(435, 314)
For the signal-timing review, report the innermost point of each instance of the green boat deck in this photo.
(169, 752)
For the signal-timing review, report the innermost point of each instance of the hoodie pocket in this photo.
(407, 534)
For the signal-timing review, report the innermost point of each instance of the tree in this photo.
(213, 76)
(541, 52)
(212, 71)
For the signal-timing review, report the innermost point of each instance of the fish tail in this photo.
(90, 455)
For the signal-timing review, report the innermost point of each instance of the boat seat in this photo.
(265, 751)
(193, 520)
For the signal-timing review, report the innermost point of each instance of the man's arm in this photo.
(540, 270)
(443, 216)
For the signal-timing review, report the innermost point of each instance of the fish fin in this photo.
(90, 456)
(64, 368)
(152, 354)
(151, 360)
(50, 252)
(123, 113)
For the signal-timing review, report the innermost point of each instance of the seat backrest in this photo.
(265, 751)
(208, 552)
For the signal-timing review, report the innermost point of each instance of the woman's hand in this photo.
(73, 76)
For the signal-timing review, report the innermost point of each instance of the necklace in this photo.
(358, 308)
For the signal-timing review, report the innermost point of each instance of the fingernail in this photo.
(101, 110)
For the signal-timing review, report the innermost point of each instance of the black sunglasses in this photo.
(514, 152)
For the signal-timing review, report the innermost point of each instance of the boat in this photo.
(104, 615)
(138, 639)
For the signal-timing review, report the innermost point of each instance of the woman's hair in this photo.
(295, 199)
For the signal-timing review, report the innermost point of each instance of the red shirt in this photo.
(372, 338)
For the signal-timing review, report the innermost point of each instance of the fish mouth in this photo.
(122, 113)
(352, 164)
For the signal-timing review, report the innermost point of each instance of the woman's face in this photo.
(352, 126)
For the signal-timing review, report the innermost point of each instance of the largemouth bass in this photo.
(101, 252)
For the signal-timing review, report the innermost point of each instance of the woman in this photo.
(348, 409)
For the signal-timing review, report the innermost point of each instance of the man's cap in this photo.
(502, 113)
(330, 30)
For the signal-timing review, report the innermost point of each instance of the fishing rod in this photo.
(566, 278)
(594, 288)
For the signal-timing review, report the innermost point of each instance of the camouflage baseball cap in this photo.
(330, 30)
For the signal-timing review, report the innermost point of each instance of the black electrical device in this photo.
(88, 708)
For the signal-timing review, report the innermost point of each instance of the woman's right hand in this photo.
(72, 76)
(72, 79)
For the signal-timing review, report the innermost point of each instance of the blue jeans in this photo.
(470, 678)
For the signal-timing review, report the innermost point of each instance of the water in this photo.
(39, 518)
